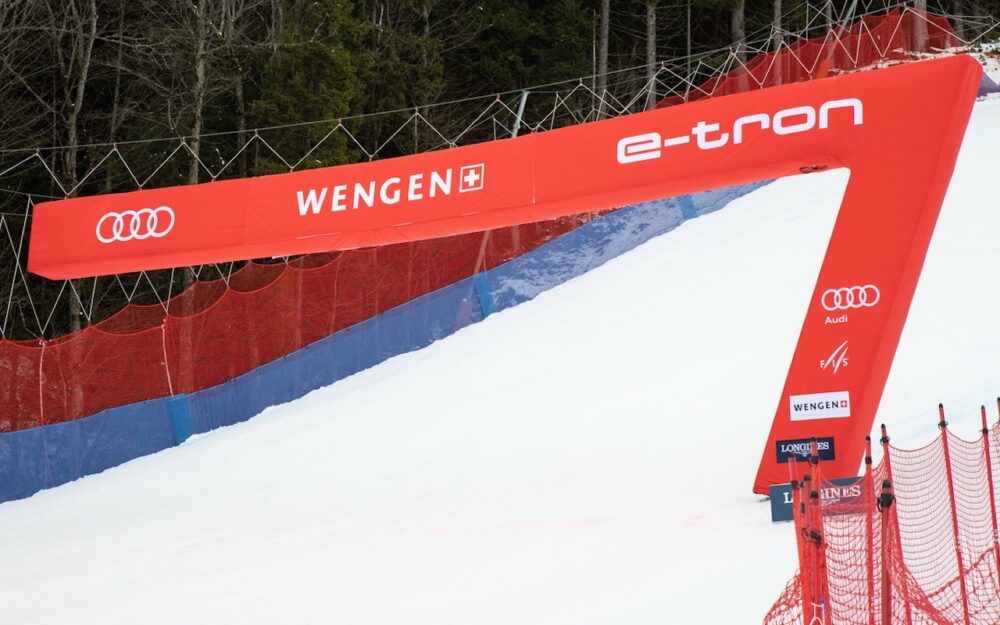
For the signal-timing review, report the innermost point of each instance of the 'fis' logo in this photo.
(833, 405)
(836, 360)
(800, 448)
(393, 190)
(711, 136)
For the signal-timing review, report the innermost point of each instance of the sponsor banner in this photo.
(800, 448)
(901, 158)
(836, 405)
(846, 490)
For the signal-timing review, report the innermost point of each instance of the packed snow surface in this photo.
(585, 458)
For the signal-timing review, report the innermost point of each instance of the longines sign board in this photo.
(840, 491)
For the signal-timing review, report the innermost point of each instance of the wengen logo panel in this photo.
(834, 405)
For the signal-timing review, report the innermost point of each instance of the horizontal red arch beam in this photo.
(532, 177)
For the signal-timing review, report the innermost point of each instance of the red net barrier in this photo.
(215, 331)
(873, 39)
(930, 556)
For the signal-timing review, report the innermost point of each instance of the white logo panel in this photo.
(833, 405)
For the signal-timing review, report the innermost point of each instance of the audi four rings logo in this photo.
(850, 297)
(135, 225)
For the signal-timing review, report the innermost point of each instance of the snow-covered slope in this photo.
(583, 458)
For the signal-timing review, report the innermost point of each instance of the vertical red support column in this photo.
(869, 487)
(890, 517)
(993, 503)
(943, 425)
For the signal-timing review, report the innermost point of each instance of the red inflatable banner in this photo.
(897, 129)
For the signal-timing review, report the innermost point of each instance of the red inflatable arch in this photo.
(898, 130)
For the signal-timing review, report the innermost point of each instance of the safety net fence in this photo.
(913, 541)
(217, 330)
(896, 36)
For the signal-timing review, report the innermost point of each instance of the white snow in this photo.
(585, 458)
(990, 60)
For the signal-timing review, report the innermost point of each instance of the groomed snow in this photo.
(585, 458)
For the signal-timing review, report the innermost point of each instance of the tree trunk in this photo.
(200, 84)
(651, 53)
(75, 94)
(920, 26)
(602, 56)
(958, 10)
(197, 105)
(737, 30)
(83, 48)
(241, 123)
(777, 37)
(116, 108)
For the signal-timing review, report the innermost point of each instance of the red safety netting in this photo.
(216, 331)
(938, 540)
(873, 39)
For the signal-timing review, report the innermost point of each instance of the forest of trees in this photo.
(77, 76)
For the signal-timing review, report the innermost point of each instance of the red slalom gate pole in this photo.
(889, 510)
(943, 425)
(993, 503)
(815, 539)
(799, 519)
(870, 527)
(885, 501)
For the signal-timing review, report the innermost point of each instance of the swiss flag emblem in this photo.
(471, 177)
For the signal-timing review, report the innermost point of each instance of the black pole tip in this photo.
(868, 439)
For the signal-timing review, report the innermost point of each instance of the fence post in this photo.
(989, 478)
(41, 385)
(799, 522)
(943, 425)
(816, 601)
(166, 359)
(885, 501)
(802, 538)
(893, 514)
(870, 527)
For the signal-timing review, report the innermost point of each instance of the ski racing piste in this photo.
(899, 138)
